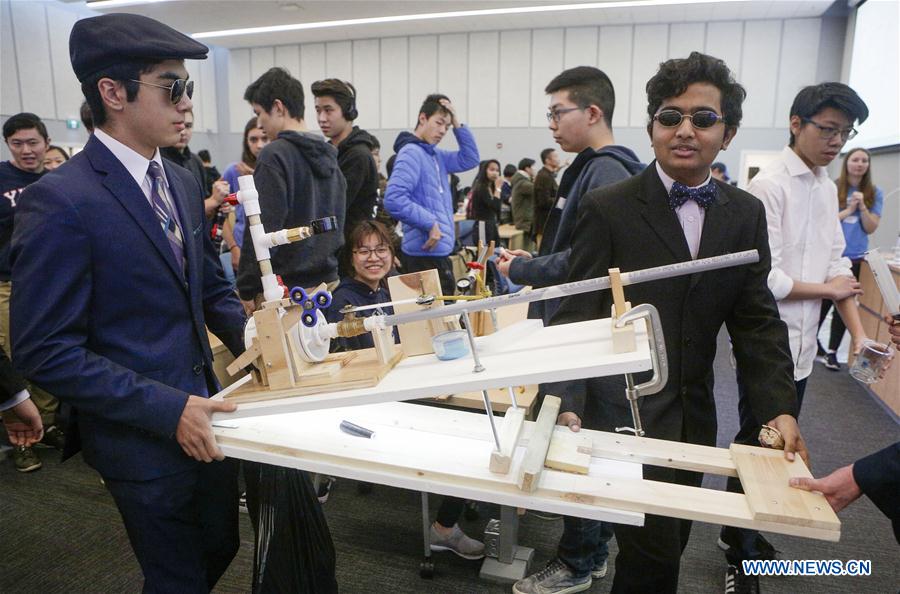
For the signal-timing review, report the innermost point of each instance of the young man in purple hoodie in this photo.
(418, 192)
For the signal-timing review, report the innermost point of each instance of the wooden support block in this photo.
(623, 339)
(764, 475)
(569, 452)
(385, 347)
(246, 358)
(618, 291)
(415, 337)
(530, 472)
(509, 438)
(273, 348)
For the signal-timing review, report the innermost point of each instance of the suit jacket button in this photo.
(198, 369)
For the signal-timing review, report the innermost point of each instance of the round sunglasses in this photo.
(671, 118)
(177, 89)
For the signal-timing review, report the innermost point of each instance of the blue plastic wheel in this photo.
(322, 299)
(310, 318)
(299, 296)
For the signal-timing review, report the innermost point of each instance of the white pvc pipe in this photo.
(249, 198)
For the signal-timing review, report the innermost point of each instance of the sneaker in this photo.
(54, 437)
(737, 582)
(730, 542)
(599, 571)
(26, 459)
(556, 578)
(324, 489)
(831, 362)
(242, 503)
(458, 542)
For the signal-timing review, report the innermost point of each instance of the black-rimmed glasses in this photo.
(382, 251)
(671, 118)
(827, 132)
(177, 89)
(556, 114)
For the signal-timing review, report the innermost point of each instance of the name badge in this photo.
(561, 203)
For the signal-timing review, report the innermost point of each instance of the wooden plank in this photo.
(509, 439)
(659, 452)
(274, 349)
(764, 474)
(361, 370)
(415, 338)
(533, 464)
(500, 400)
(569, 452)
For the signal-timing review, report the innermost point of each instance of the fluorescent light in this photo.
(103, 4)
(447, 15)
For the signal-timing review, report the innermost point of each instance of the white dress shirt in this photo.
(690, 214)
(806, 241)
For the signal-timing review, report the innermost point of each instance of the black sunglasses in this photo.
(177, 89)
(699, 119)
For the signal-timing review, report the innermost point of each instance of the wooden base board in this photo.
(569, 452)
(339, 371)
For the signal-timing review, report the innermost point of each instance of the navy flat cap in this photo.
(99, 42)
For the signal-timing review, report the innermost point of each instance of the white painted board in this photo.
(522, 354)
(415, 447)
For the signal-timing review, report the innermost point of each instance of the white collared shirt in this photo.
(690, 214)
(806, 241)
(137, 165)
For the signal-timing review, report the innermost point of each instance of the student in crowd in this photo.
(505, 184)
(545, 188)
(298, 180)
(860, 203)
(371, 261)
(582, 100)
(119, 329)
(210, 170)
(719, 171)
(54, 157)
(486, 201)
(254, 140)
(336, 111)
(807, 246)
(180, 154)
(418, 191)
(28, 142)
(674, 212)
(521, 199)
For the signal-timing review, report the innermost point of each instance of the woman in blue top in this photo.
(254, 141)
(371, 259)
(860, 203)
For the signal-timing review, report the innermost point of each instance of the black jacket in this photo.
(357, 293)
(878, 476)
(298, 180)
(358, 166)
(185, 158)
(629, 225)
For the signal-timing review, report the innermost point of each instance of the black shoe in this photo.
(730, 542)
(325, 488)
(54, 437)
(831, 362)
(820, 352)
(737, 582)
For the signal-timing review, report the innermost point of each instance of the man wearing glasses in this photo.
(674, 212)
(807, 244)
(582, 100)
(116, 282)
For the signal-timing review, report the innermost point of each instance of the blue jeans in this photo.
(584, 544)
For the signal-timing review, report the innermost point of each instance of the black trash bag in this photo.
(294, 550)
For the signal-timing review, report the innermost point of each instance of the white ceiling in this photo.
(195, 16)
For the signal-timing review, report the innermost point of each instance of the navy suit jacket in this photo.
(102, 316)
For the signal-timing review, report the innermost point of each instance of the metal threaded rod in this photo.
(575, 288)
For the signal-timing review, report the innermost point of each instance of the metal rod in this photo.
(512, 397)
(578, 287)
(478, 366)
(490, 415)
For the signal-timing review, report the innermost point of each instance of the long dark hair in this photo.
(481, 179)
(865, 184)
(247, 155)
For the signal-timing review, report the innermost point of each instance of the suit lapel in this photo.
(716, 229)
(655, 210)
(124, 189)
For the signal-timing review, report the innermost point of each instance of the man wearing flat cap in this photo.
(116, 283)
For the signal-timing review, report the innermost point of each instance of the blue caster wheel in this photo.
(299, 296)
(322, 299)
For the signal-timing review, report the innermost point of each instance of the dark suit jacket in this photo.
(630, 226)
(878, 476)
(102, 316)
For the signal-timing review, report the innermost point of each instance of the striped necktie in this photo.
(162, 210)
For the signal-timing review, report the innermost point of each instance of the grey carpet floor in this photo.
(60, 532)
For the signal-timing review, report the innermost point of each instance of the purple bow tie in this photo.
(703, 196)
